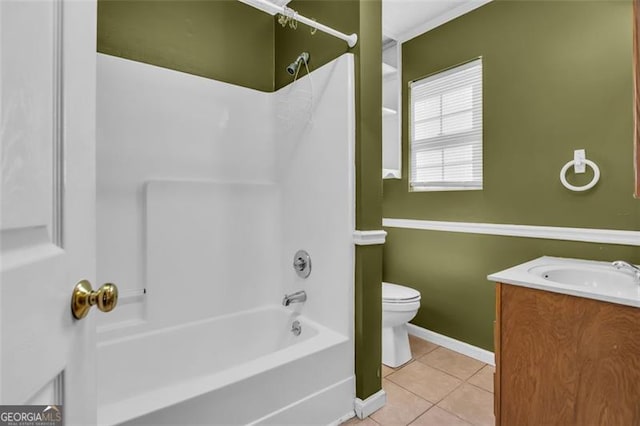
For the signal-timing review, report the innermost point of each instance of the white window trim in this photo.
(444, 186)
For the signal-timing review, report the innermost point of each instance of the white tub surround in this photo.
(575, 277)
(315, 139)
(156, 124)
(205, 192)
(189, 240)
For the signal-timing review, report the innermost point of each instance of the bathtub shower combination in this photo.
(207, 193)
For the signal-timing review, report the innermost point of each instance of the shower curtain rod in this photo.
(267, 6)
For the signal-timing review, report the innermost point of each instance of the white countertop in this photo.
(592, 279)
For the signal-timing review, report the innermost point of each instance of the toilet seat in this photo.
(400, 307)
(398, 294)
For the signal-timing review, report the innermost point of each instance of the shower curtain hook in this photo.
(314, 29)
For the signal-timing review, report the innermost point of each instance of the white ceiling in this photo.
(404, 19)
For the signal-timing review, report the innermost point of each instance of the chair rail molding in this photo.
(588, 235)
(369, 238)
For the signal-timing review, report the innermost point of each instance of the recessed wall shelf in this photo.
(388, 70)
(391, 174)
(391, 111)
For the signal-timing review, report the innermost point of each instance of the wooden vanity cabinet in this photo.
(565, 360)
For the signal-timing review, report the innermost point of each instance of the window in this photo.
(445, 130)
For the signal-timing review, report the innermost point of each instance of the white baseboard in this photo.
(370, 405)
(453, 344)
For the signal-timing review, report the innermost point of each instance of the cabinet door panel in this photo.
(609, 363)
(567, 360)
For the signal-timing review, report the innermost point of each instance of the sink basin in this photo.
(574, 277)
(586, 276)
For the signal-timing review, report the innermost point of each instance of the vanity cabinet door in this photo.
(566, 360)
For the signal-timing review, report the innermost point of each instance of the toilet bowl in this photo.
(399, 305)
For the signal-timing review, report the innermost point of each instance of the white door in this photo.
(47, 203)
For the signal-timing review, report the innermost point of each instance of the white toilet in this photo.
(399, 305)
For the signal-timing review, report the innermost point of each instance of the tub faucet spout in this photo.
(621, 264)
(297, 297)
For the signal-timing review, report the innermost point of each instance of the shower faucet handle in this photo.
(302, 263)
(299, 264)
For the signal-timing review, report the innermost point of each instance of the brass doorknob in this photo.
(83, 298)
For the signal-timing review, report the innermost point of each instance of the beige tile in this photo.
(438, 417)
(386, 370)
(420, 347)
(484, 378)
(472, 404)
(425, 381)
(402, 406)
(452, 362)
(367, 421)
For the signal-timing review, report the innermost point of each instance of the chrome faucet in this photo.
(297, 297)
(621, 264)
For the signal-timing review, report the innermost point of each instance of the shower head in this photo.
(292, 68)
(302, 58)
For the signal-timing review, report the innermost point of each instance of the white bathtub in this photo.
(243, 368)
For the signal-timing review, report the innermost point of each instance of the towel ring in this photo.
(596, 175)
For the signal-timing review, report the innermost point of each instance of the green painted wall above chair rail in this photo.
(223, 39)
(557, 76)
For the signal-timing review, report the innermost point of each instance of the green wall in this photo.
(368, 280)
(450, 270)
(229, 41)
(557, 77)
(222, 39)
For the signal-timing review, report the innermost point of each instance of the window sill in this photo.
(443, 188)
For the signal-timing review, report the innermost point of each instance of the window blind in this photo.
(445, 125)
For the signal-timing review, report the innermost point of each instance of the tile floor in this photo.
(438, 387)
